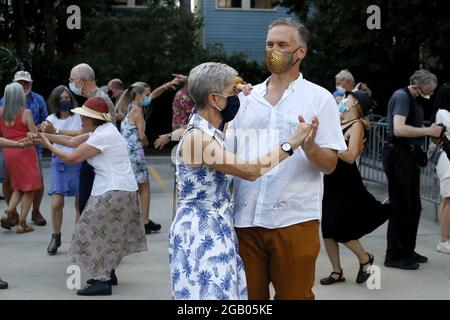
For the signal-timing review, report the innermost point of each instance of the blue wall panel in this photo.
(238, 30)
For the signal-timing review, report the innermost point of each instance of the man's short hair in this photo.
(423, 78)
(117, 84)
(302, 31)
(345, 75)
(84, 71)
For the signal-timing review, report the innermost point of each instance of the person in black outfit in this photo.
(402, 159)
(349, 211)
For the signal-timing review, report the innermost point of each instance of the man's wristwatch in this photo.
(169, 136)
(286, 147)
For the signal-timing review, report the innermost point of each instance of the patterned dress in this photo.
(203, 247)
(135, 149)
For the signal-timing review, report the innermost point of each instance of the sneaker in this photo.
(443, 247)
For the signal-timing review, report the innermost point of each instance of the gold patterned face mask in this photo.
(279, 62)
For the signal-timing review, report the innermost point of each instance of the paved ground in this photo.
(32, 274)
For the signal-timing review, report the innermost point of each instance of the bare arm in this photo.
(27, 119)
(401, 129)
(6, 143)
(140, 124)
(166, 86)
(200, 149)
(81, 153)
(48, 127)
(355, 144)
(67, 141)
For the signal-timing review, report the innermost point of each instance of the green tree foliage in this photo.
(413, 34)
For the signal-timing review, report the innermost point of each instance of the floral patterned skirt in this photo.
(203, 254)
(138, 164)
(109, 229)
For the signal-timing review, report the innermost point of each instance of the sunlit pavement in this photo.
(32, 274)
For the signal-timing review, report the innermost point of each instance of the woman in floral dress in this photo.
(203, 247)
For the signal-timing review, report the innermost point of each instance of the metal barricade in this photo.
(371, 164)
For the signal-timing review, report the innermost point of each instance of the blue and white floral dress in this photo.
(203, 246)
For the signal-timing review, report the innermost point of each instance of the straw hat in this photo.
(96, 108)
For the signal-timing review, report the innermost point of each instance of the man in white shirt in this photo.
(277, 215)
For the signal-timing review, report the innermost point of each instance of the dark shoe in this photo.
(415, 257)
(113, 281)
(331, 280)
(4, 222)
(362, 275)
(3, 284)
(55, 243)
(401, 264)
(151, 227)
(38, 219)
(9, 219)
(97, 288)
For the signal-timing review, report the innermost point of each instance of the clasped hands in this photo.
(305, 135)
(36, 138)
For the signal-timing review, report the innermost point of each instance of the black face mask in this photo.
(231, 109)
(65, 105)
(110, 94)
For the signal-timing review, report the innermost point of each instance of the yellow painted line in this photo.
(158, 178)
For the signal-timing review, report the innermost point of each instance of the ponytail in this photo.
(124, 101)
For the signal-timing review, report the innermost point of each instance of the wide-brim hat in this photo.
(96, 108)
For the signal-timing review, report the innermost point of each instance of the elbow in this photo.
(329, 169)
(397, 132)
(250, 175)
(70, 160)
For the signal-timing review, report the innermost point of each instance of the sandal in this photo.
(331, 280)
(23, 227)
(362, 275)
(9, 219)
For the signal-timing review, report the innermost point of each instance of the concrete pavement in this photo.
(32, 274)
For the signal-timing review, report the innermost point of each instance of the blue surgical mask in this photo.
(342, 105)
(75, 89)
(146, 101)
(65, 105)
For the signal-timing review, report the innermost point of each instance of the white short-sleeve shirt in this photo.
(292, 192)
(112, 166)
(443, 165)
(72, 123)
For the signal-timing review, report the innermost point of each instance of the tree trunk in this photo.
(49, 28)
(20, 29)
(185, 8)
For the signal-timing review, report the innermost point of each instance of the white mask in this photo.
(340, 89)
(425, 96)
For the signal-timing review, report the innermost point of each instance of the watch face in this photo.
(286, 147)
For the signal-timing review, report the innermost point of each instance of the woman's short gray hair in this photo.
(209, 77)
(423, 78)
(14, 100)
